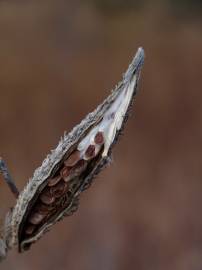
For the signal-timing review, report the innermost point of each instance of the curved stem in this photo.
(8, 179)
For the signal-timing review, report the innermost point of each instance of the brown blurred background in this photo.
(58, 60)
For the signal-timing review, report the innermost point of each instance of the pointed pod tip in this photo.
(140, 55)
(135, 66)
(139, 58)
(141, 51)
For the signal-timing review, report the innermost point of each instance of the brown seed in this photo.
(29, 229)
(46, 197)
(65, 173)
(90, 152)
(36, 218)
(42, 208)
(54, 181)
(99, 138)
(58, 190)
(72, 159)
(79, 168)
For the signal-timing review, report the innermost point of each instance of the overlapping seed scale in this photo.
(53, 181)
(59, 189)
(57, 186)
(46, 197)
(36, 218)
(79, 167)
(99, 138)
(65, 173)
(90, 152)
(43, 208)
(72, 159)
(30, 229)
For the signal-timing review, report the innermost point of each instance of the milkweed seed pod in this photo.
(53, 192)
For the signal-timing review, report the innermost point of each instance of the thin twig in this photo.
(3, 250)
(8, 179)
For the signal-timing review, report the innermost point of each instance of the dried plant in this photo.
(53, 192)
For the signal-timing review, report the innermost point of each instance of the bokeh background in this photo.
(58, 60)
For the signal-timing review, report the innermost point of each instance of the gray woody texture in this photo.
(15, 218)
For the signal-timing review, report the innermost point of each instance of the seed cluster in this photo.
(54, 196)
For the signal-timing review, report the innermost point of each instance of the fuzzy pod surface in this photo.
(53, 191)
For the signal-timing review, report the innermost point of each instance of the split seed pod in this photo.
(53, 192)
